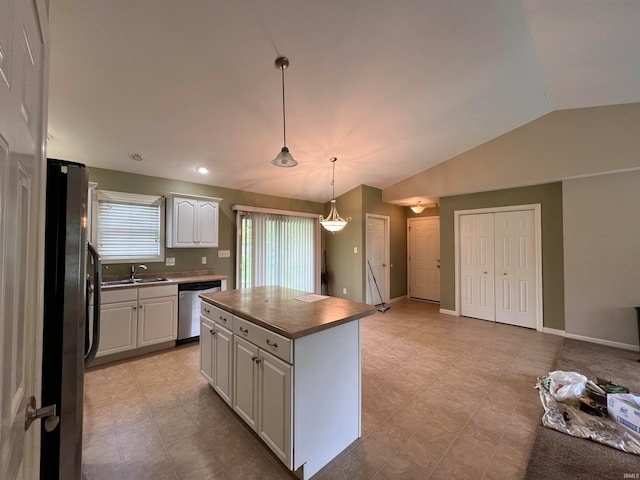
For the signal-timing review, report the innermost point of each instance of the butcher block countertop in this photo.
(285, 311)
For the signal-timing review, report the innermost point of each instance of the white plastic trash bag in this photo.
(566, 386)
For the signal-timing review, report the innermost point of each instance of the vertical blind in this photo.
(277, 250)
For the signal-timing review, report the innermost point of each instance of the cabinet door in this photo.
(207, 229)
(245, 381)
(184, 221)
(157, 320)
(223, 358)
(118, 327)
(274, 405)
(206, 348)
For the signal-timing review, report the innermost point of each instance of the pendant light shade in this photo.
(284, 158)
(333, 222)
(417, 208)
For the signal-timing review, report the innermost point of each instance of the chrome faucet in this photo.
(135, 269)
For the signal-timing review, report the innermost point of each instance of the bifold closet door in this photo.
(477, 266)
(515, 281)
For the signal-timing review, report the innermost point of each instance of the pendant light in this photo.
(284, 158)
(417, 208)
(334, 222)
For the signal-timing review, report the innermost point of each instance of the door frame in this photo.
(387, 257)
(537, 212)
(410, 222)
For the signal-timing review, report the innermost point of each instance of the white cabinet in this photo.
(302, 395)
(118, 327)
(216, 350)
(245, 372)
(192, 221)
(274, 404)
(131, 318)
(262, 395)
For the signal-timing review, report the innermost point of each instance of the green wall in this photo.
(348, 269)
(189, 259)
(549, 196)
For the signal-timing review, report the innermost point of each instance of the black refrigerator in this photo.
(72, 269)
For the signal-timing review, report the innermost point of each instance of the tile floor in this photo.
(443, 397)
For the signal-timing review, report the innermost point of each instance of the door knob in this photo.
(48, 413)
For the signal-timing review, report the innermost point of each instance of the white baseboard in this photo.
(448, 312)
(553, 331)
(600, 341)
(397, 299)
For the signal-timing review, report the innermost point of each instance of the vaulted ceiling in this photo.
(390, 88)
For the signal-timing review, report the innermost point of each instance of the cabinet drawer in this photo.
(216, 314)
(155, 291)
(118, 295)
(270, 342)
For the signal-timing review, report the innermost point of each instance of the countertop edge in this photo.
(171, 281)
(291, 335)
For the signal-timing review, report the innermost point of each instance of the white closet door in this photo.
(477, 270)
(515, 268)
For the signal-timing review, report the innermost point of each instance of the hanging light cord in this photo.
(284, 118)
(333, 178)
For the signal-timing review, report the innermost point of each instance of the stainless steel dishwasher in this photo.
(189, 308)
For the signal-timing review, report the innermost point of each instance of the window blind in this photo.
(130, 229)
(278, 250)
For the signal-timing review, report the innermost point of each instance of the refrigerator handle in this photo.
(97, 282)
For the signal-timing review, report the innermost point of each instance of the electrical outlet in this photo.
(344, 291)
(204, 260)
(355, 249)
(171, 261)
(224, 253)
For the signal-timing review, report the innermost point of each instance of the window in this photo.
(129, 227)
(277, 248)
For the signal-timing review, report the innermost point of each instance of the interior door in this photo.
(377, 256)
(477, 290)
(515, 268)
(23, 61)
(424, 258)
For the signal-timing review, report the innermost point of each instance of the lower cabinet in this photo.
(262, 395)
(216, 356)
(301, 396)
(132, 318)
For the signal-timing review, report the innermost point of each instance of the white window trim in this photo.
(135, 198)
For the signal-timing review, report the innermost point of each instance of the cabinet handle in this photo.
(212, 331)
(258, 361)
(274, 344)
(206, 310)
(243, 330)
(135, 308)
(223, 319)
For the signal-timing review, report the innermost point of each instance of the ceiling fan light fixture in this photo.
(284, 158)
(417, 208)
(334, 222)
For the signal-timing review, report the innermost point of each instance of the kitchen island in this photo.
(288, 363)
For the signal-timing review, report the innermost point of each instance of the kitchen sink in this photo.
(117, 282)
(150, 280)
(128, 281)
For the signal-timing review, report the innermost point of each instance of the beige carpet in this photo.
(556, 455)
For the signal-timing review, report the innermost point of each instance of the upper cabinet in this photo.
(192, 221)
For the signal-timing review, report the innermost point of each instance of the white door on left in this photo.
(23, 61)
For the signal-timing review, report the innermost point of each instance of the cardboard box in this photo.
(624, 408)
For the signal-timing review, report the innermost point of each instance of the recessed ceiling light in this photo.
(138, 157)
(202, 169)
